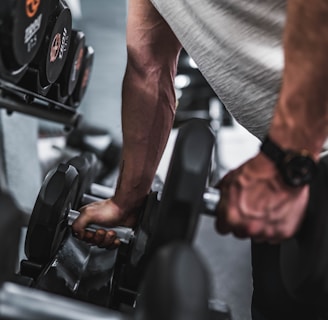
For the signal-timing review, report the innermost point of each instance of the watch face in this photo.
(298, 169)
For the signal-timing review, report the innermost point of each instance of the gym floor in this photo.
(227, 258)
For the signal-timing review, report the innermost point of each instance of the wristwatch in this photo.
(297, 168)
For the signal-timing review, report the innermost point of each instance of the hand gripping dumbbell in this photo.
(173, 217)
(52, 215)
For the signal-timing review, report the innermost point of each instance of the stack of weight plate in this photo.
(41, 53)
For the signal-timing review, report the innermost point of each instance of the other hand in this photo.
(256, 203)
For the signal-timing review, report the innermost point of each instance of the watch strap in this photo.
(272, 151)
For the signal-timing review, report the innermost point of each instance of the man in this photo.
(267, 61)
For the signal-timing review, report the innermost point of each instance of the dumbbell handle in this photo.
(211, 199)
(97, 193)
(124, 234)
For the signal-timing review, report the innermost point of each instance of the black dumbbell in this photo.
(51, 58)
(68, 78)
(72, 68)
(99, 141)
(83, 81)
(23, 25)
(11, 218)
(52, 214)
(177, 211)
(169, 215)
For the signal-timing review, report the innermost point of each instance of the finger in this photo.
(80, 224)
(99, 236)
(108, 240)
(270, 234)
(88, 236)
(220, 223)
(228, 215)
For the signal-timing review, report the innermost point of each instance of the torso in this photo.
(237, 45)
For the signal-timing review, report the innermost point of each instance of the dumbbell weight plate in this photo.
(23, 28)
(84, 77)
(48, 223)
(53, 53)
(73, 65)
(303, 258)
(86, 165)
(176, 216)
(182, 195)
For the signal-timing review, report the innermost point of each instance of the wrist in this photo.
(297, 168)
(128, 202)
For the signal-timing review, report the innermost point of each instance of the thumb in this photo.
(80, 223)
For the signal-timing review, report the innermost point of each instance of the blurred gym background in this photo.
(103, 22)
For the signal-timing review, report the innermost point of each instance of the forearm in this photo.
(148, 101)
(301, 115)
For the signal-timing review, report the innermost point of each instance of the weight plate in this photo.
(84, 77)
(86, 165)
(303, 258)
(29, 28)
(182, 196)
(48, 222)
(58, 45)
(52, 55)
(13, 75)
(23, 30)
(73, 65)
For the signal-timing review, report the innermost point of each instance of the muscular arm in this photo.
(148, 106)
(301, 116)
(255, 202)
(148, 100)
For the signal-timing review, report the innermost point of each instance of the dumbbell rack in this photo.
(14, 98)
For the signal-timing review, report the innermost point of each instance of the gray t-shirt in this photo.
(237, 45)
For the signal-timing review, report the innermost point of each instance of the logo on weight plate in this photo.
(32, 7)
(55, 47)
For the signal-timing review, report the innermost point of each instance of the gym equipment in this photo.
(101, 142)
(10, 231)
(68, 78)
(52, 55)
(47, 225)
(46, 67)
(176, 284)
(83, 79)
(183, 283)
(179, 203)
(303, 258)
(176, 208)
(52, 214)
(72, 68)
(18, 302)
(42, 109)
(87, 166)
(23, 25)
